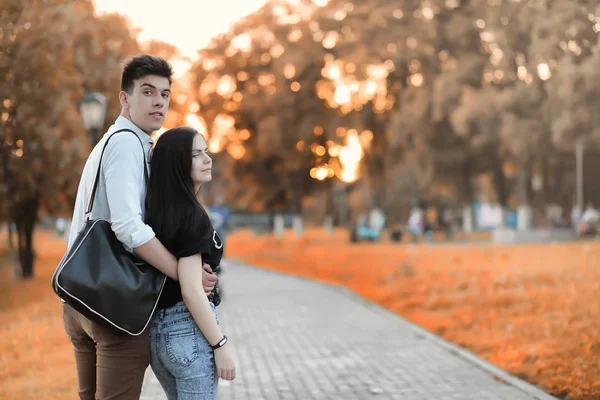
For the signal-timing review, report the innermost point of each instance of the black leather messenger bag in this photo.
(106, 283)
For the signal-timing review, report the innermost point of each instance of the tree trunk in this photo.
(297, 218)
(378, 193)
(562, 196)
(271, 214)
(11, 250)
(467, 194)
(539, 175)
(279, 225)
(25, 220)
(500, 183)
(501, 187)
(524, 212)
(329, 211)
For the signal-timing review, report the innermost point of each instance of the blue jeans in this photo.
(181, 357)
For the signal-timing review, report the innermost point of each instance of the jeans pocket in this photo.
(182, 346)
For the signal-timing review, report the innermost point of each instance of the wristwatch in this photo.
(220, 344)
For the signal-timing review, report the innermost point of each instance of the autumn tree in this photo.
(260, 106)
(51, 54)
(530, 47)
(435, 94)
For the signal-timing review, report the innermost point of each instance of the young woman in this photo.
(188, 351)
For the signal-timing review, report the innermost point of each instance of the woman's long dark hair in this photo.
(172, 208)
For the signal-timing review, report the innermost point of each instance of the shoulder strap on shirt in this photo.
(88, 211)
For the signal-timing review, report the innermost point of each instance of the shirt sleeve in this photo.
(197, 240)
(197, 246)
(123, 168)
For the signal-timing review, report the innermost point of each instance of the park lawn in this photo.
(533, 310)
(37, 361)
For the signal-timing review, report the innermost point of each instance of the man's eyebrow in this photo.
(154, 87)
(206, 148)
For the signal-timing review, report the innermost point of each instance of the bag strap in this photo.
(88, 211)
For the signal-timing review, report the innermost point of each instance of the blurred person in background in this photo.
(589, 220)
(219, 214)
(416, 223)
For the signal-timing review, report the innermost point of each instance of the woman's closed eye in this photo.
(197, 153)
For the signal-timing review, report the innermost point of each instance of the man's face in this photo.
(148, 102)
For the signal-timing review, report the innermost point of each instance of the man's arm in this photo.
(154, 253)
(123, 167)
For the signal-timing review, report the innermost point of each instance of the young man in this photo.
(111, 366)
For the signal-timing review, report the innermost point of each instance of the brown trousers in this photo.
(109, 366)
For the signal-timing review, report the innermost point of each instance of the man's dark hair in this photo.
(143, 65)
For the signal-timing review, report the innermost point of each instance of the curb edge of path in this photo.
(496, 372)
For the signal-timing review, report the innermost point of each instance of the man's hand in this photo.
(209, 280)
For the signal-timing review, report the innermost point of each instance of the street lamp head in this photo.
(93, 109)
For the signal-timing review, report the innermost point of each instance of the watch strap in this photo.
(220, 344)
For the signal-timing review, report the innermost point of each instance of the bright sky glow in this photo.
(189, 25)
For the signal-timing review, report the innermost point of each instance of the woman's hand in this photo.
(225, 364)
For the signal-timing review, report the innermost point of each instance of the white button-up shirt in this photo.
(121, 190)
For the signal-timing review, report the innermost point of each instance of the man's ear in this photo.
(123, 99)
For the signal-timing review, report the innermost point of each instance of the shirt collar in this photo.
(124, 123)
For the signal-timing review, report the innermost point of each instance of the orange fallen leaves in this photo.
(533, 310)
(36, 360)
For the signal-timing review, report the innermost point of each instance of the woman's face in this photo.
(201, 162)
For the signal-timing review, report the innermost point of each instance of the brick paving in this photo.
(297, 339)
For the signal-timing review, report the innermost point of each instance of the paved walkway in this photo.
(297, 339)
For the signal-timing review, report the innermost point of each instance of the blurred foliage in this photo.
(51, 53)
(357, 104)
(438, 93)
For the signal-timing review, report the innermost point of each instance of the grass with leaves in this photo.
(36, 360)
(533, 310)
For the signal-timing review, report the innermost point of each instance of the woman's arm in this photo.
(190, 272)
(190, 280)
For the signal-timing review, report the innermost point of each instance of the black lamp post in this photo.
(93, 110)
